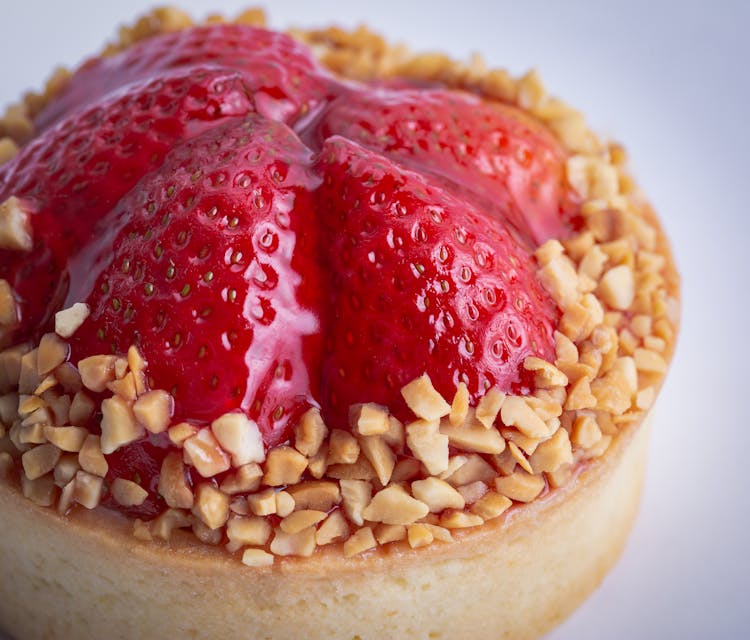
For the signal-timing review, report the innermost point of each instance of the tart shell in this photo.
(85, 575)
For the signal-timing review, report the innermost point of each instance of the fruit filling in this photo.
(235, 286)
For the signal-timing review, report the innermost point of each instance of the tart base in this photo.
(86, 577)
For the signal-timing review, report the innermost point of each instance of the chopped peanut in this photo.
(474, 469)
(15, 225)
(473, 491)
(97, 371)
(81, 408)
(203, 452)
(167, 522)
(488, 407)
(460, 405)
(240, 437)
(251, 530)
(88, 489)
(211, 505)
(474, 438)
(154, 410)
(299, 520)
(362, 540)
(437, 494)
(310, 433)
(315, 494)
(90, 457)
(40, 460)
(356, 495)
(301, 543)
(385, 533)
(553, 453)
(246, 479)
(369, 419)
(8, 306)
(380, 456)
(393, 505)
(586, 432)
(137, 366)
(422, 398)
(41, 491)
(69, 320)
(263, 503)
(333, 528)
(128, 493)
(284, 504)
(419, 535)
(517, 413)
(66, 438)
(285, 465)
(491, 505)
(520, 486)
(343, 448)
(649, 361)
(428, 445)
(453, 519)
(173, 485)
(179, 433)
(617, 287)
(257, 558)
(119, 426)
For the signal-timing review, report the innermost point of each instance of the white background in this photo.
(671, 80)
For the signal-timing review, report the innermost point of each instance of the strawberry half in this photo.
(202, 265)
(421, 282)
(488, 152)
(281, 74)
(90, 161)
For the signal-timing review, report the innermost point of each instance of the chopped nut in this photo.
(343, 448)
(284, 465)
(81, 408)
(422, 398)
(90, 457)
(124, 387)
(10, 368)
(473, 491)
(580, 396)
(474, 469)
(141, 530)
(66, 438)
(8, 306)
(369, 419)
(586, 432)
(356, 495)
(385, 533)
(452, 519)
(526, 444)
(546, 375)
(419, 535)
(474, 438)
(488, 407)
(553, 453)
(284, 504)
(241, 437)
(154, 410)
(519, 457)
(97, 371)
(41, 491)
(393, 505)
(119, 426)
(299, 520)
(48, 383)
(318, 464)
(248, 531)
(520, 486)
(406, 469)
(15, 225)
(380, 456)
(612, 392)
(617, 287)
(127, 493)
(167, 522)
(310, 433)
(301, 543)
(28, 378)
(362, 540)
(38, 417)
(88, 489)
(649, 361)
(203, 452)
(69, 320)
(211, 505)
(333, 528)
(263, 503)
(395, 436)
(67, 496)
(257, 558)
(173, 485)
(460, 405)
(65, 469)
(245, 480)
(548, 251)
(491, 505)
(40, 460)
(315, 494)
(205, 534)
(428, 445)
(179, 433)
(645, 398)
(560, 279)
(137, 366)
(437, 494)
(517, 413)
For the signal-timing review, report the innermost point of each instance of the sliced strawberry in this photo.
(495, 151)
(74, 173)
(421, 282)
(280, 72)
(202, 265)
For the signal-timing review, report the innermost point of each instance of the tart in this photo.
(304, 334)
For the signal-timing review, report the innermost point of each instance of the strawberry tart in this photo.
(306, 335)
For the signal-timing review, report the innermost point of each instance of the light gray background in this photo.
(670, 79)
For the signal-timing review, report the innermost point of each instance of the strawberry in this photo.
(201, 266)
(278, 71)
(421, 281)
(91, 160)
(491, 153)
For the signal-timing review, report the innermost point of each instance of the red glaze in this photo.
(266, 272)
(491, 153)
(73, 174)
(284, 79)
(421, 281)
(204, 272)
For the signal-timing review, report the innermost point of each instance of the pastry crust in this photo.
(86, 576)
